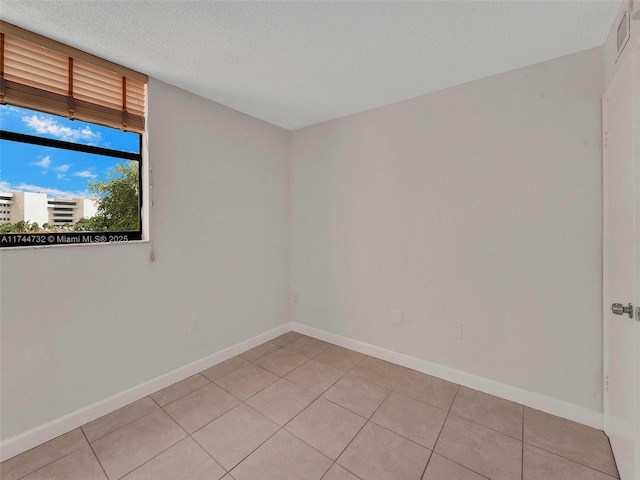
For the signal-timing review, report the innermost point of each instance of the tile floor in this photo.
(300, 408)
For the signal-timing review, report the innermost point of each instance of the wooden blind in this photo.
(44, 75)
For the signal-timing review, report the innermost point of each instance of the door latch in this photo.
(620, 309)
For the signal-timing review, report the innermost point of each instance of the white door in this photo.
(620, 343)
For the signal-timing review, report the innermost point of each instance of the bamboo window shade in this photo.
(44, 75)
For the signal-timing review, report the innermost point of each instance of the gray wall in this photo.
(479, 206)
(80, 324)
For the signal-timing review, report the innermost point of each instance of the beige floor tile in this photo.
(485, 451)
(410, 418)
(224, 368)
(480, 439)
(281, 401)
(185, 460)
(281, 362)
(234, 435)
(307, 346)
(315, 376)
(380, 372)
(201, 407)
(79, 465)
(493, 412)
(283, 457)
(336, 472)
(259, 351)
(442, 469)
(247, 381)
(179, 389)
(118, 418)
(541, 465)
(357, 395)
(286, 338)
(427, 389)
(327, 427)
(340, 358)
(31, 460)
(127, 448)
(379, 454)
(571, 440)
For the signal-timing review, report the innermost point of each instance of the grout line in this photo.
(253, 395)
(158, 407)
(571, 460)
(320, 395)
(487, 427)
(154, 457)
(132, 402)
(368, 419)
(441, 429)
(188, 435)
(164, 450)
(336, 463)
(461, 466)
(53, 461)
(210, 456)
(260, 445)
(221, 415)
(95, 454)
(458, 415)
(185, 395)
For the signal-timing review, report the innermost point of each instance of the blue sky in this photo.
(56, 172)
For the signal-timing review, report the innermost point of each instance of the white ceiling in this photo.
(299, 63)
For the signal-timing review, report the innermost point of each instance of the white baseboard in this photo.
(36, 436)
(43, 433)
(538, 401)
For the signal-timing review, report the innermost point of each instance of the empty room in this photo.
(319, 240)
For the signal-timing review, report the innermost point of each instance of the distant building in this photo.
(37, 207)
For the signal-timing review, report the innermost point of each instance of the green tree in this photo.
(21, 227)
(34, 227)
(88, 225)
(118, 208)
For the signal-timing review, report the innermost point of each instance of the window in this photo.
(71, 130)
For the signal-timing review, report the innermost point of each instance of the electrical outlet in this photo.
(397, 317)
(457, 331)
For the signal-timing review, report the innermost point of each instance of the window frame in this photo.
(35, 239)
(83, 90)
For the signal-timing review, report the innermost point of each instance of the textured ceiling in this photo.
(299, 63)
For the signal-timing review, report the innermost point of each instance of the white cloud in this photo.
(5, 186)
(51, 192)
(46, 125)
(8, 109)
(44, 163)
(63, 170)
(86, 174)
